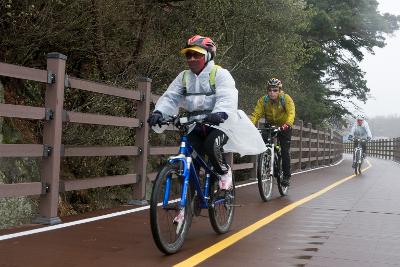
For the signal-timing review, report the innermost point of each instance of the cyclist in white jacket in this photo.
(360, 130)
(207, 91)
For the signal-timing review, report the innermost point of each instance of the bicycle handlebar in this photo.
(358, 139)
(182, 123)
(274, 129)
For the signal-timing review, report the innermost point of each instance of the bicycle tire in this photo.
(168, 238)
(357, 169)
(221, 207)
(283, 190)
(264, 178)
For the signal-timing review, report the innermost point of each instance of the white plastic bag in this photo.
(244, 137)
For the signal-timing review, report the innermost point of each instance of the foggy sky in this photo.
(383, 71)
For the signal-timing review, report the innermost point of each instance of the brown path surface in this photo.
(354, 224)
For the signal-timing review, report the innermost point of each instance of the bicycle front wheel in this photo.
(357, 169)
(264, 177)
(169, 232)
(283, 190)
(221, 207)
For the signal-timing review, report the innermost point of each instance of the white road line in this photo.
(115, 214)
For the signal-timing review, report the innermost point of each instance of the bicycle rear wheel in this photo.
(221, 207)
(167, 234)
(264, 177)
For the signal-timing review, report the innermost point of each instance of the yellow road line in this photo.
(223, 244)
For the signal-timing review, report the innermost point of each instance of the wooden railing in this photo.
(380, 148)
(310, 147)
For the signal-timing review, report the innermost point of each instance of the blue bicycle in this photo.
(181, 191)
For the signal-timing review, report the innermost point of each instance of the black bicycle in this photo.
(180, 191)
(270, 165)
(358, 155)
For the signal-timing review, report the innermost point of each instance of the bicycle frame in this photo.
(272, 147)
(186, 156)
(357, 153)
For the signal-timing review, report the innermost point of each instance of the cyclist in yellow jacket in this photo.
(278, 109)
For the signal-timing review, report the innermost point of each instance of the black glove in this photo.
(214, 118)
(154, 118)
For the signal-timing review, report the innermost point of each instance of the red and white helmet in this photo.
(202, 42)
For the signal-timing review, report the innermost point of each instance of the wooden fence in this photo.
(380, 148)
(310, 147)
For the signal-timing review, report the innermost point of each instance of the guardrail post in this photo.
(52, 130)
(142, 142)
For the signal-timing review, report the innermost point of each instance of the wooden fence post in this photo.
(301, 145)
(330, 146)
(374, 148)
(318, 150)
(142, 142)
(309, 125)
(324, 151)
(52, 130)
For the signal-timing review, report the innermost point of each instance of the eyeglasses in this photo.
(195, 55)
(273, 90)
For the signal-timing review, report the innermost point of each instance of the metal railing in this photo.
(310, 147)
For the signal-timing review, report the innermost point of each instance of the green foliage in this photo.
(340, 33)
(16, 211)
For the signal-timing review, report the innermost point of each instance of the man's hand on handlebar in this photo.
(155, 118)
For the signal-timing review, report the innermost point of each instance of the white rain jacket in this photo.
(244, 138)
(362, 131)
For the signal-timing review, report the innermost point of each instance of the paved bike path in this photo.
(334, 228)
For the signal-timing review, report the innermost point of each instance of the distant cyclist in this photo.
(278, 109)
(360, 130)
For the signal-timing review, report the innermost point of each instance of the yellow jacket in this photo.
(274, 113)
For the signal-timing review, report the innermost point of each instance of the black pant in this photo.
(284, 138)
(209, 141)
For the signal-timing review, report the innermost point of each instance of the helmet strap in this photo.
(208, 57)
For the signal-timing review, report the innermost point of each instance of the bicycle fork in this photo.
(272, 161)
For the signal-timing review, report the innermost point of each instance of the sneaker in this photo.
(179, 220)
(285, 181)
(225, 181)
